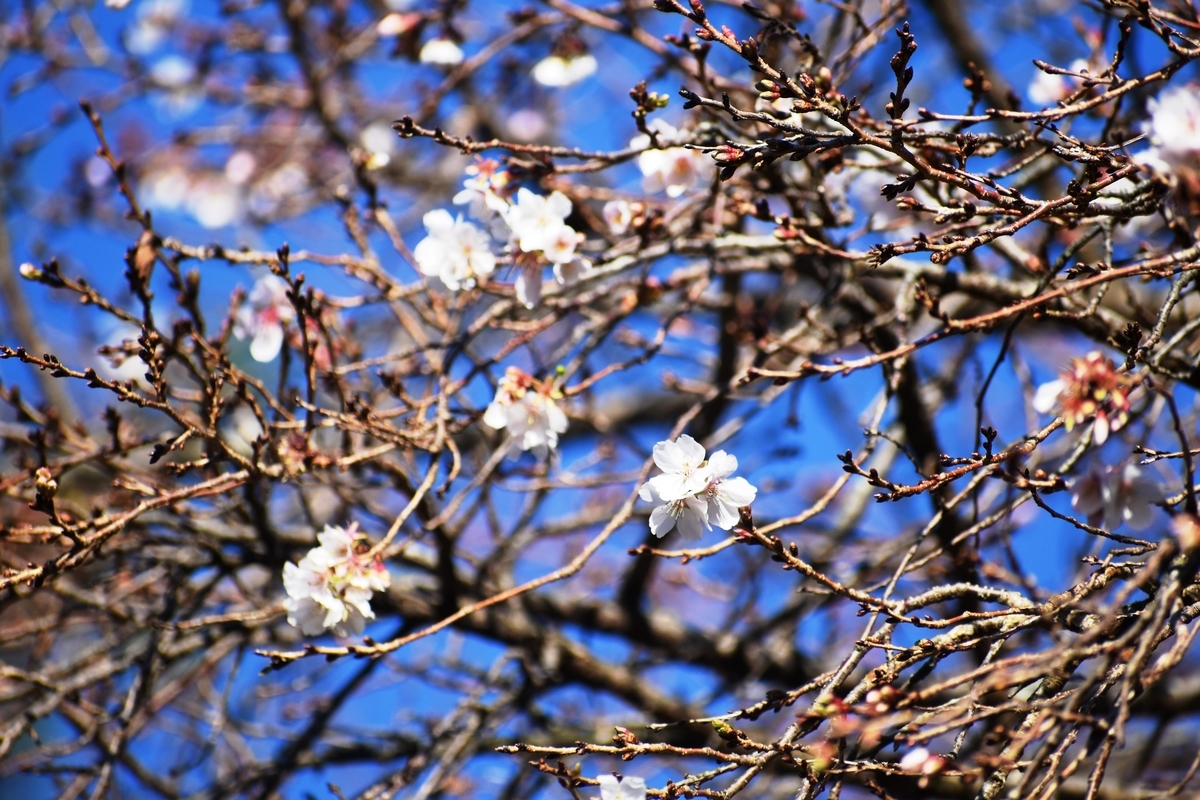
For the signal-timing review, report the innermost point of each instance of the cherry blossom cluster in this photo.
(526, 407)
(534, 226)
(1091, 387)
(331, 587)
(694, 493)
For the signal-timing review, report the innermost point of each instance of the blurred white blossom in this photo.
(1046, 89)
(527, 408)
(559, 72)
(442, 52)
(155, 19)
(455, 251)
(536, 220)
(264, 316)
(627, 788)
(1116, 495)
(331, 587)
(619, 216)
(674, 170)
(1173, 128)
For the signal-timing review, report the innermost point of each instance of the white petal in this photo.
(721, 514)
(738, 491)
(1046, 397)
(609, 787)
(693, 519)
(267, 342)
(633, 788)
(661, 521)
(529, 286)
(496, 415)
(721, 465)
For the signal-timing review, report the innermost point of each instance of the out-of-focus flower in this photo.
(116, 4)
(264, 316)
(628, 788)
(1174, 130)
(240, 166)
(379, 140)
(527, 408)
(526, 124)
(536, 220)
(1046, 89)
(455, 251)
(155, 19)
(396, 23)
(923, 763)
(673, 170)
(442, 52)
(619, 215)
(215, 202)
(1092, 386)
(30, 271)
(694, 493)
(1117, 495)
(331, 587)
(485, 190)
(560, 71)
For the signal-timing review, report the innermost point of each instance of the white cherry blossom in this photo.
(527, 408)
(484, 191)
(263, 318)
(694, 494)
(442, 52)
(560, 72)
(455, 251)
(725, 495)
(674, 170)
(536, 220)
(1117, 495)
(689, 513)
(1174, 129)
(619, 216)
(628, 788)
(331, 587)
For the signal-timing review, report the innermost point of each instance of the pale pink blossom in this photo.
(1114, 496)
(674, 170)
(559, 72)
(263, 318)
(527, 408)
(331, 587)
(1173, 128)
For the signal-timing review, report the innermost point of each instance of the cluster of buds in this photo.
(1091, 387)
(331, 587)
(527, 407)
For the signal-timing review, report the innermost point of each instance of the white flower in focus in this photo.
(560, 72)
(683, 466)
(694, 493)
(442, 52)
(619, 216)
(1117, 495)
(723, 495)
(536, 221)
(673, 170)
(331, 587)
(527, 408)
(455, 251)
(1174, 129)
(689, 513)
(628, 788)
(263, 318)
